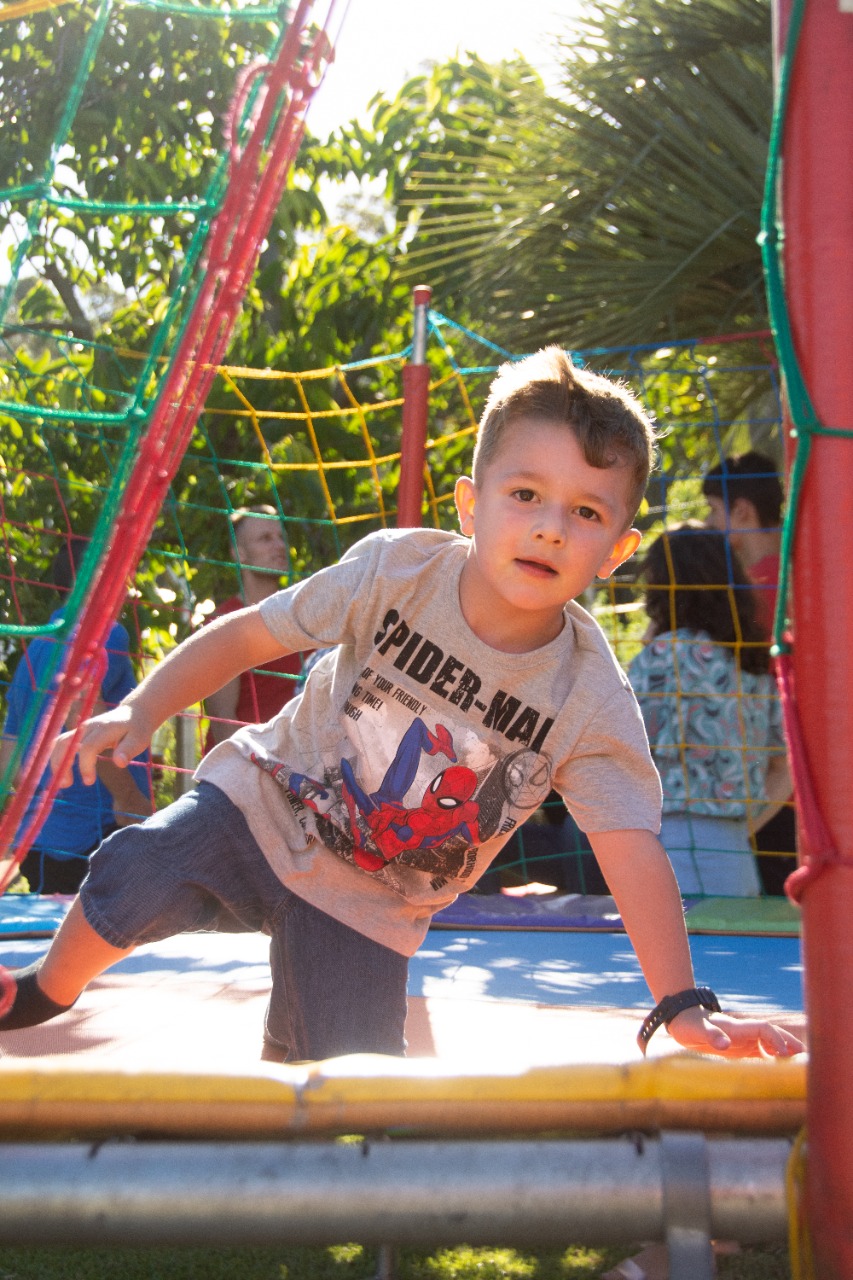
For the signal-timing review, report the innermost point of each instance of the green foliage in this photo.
(463, 102)
(108, 112)
(55, 475)
(626, 205)
(134, 103)
(350, 1262)
(503, 195)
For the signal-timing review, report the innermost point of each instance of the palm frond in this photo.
(626, 207)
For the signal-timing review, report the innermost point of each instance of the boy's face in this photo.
(544, 524)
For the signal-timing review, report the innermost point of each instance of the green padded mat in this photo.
(743, 915)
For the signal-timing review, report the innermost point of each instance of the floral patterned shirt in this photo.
(712, 727)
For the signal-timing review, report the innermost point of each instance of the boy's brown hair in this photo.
(607, 419)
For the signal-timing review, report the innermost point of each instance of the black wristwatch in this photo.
(669, 1008)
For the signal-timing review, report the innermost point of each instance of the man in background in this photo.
(258, 695)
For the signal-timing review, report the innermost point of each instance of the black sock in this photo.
(30, 1005)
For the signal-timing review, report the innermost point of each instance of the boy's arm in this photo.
(203, 663)
(130, 805)
(641, 879)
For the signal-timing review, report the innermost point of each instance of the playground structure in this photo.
(817, 282)
(818, 674)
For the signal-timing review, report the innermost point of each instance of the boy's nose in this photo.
(552, 528)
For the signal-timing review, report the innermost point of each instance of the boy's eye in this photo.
(524, 495)
(587, 513)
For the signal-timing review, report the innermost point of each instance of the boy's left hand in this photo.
(732, 1037)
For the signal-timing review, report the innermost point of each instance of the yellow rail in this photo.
(367, 1093)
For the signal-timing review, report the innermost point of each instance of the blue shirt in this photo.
(80, 816)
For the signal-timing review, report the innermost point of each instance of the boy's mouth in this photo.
(538, 567)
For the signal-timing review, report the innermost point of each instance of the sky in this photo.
(383, 42)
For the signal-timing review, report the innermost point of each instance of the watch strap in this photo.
(670, 1007)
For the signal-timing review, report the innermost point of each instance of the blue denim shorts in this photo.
(195, 866)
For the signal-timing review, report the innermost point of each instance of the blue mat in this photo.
(26, 915)
(595, 968)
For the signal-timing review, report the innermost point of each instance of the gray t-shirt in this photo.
(415, 750)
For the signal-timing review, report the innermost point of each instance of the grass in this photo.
(349, 1262)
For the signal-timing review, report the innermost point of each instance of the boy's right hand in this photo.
(118, 730)
(733, 1036)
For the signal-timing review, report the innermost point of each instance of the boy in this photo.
(462, 686)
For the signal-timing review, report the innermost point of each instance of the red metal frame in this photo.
(257, 178)
(817, 212)
(410, 491)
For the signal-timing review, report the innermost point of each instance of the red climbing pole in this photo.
(817, 215)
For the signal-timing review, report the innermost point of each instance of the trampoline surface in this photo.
(476, 996)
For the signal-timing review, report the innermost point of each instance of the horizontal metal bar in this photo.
(391, 1192)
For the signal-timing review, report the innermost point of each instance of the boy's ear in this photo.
(622, 551)
(465, 496)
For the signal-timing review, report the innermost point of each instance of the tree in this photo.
(625, 209)
(112, 164)
(109, 112)
(98, 289)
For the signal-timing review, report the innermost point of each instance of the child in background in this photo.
(711, 711)
(80, 816)
(745, 500)
(463, 684)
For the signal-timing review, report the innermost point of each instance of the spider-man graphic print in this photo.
(381, 825)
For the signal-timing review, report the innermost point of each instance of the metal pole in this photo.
(817, 213)
(417, 1193)
(186, 752)
(386, 1263)
(687, 1206)
(415, 417)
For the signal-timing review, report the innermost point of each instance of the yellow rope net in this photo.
(319, 450)
(23, 8)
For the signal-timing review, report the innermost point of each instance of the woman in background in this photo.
(711, 710)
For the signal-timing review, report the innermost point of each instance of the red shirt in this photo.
(764, 575)
(261, 696)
